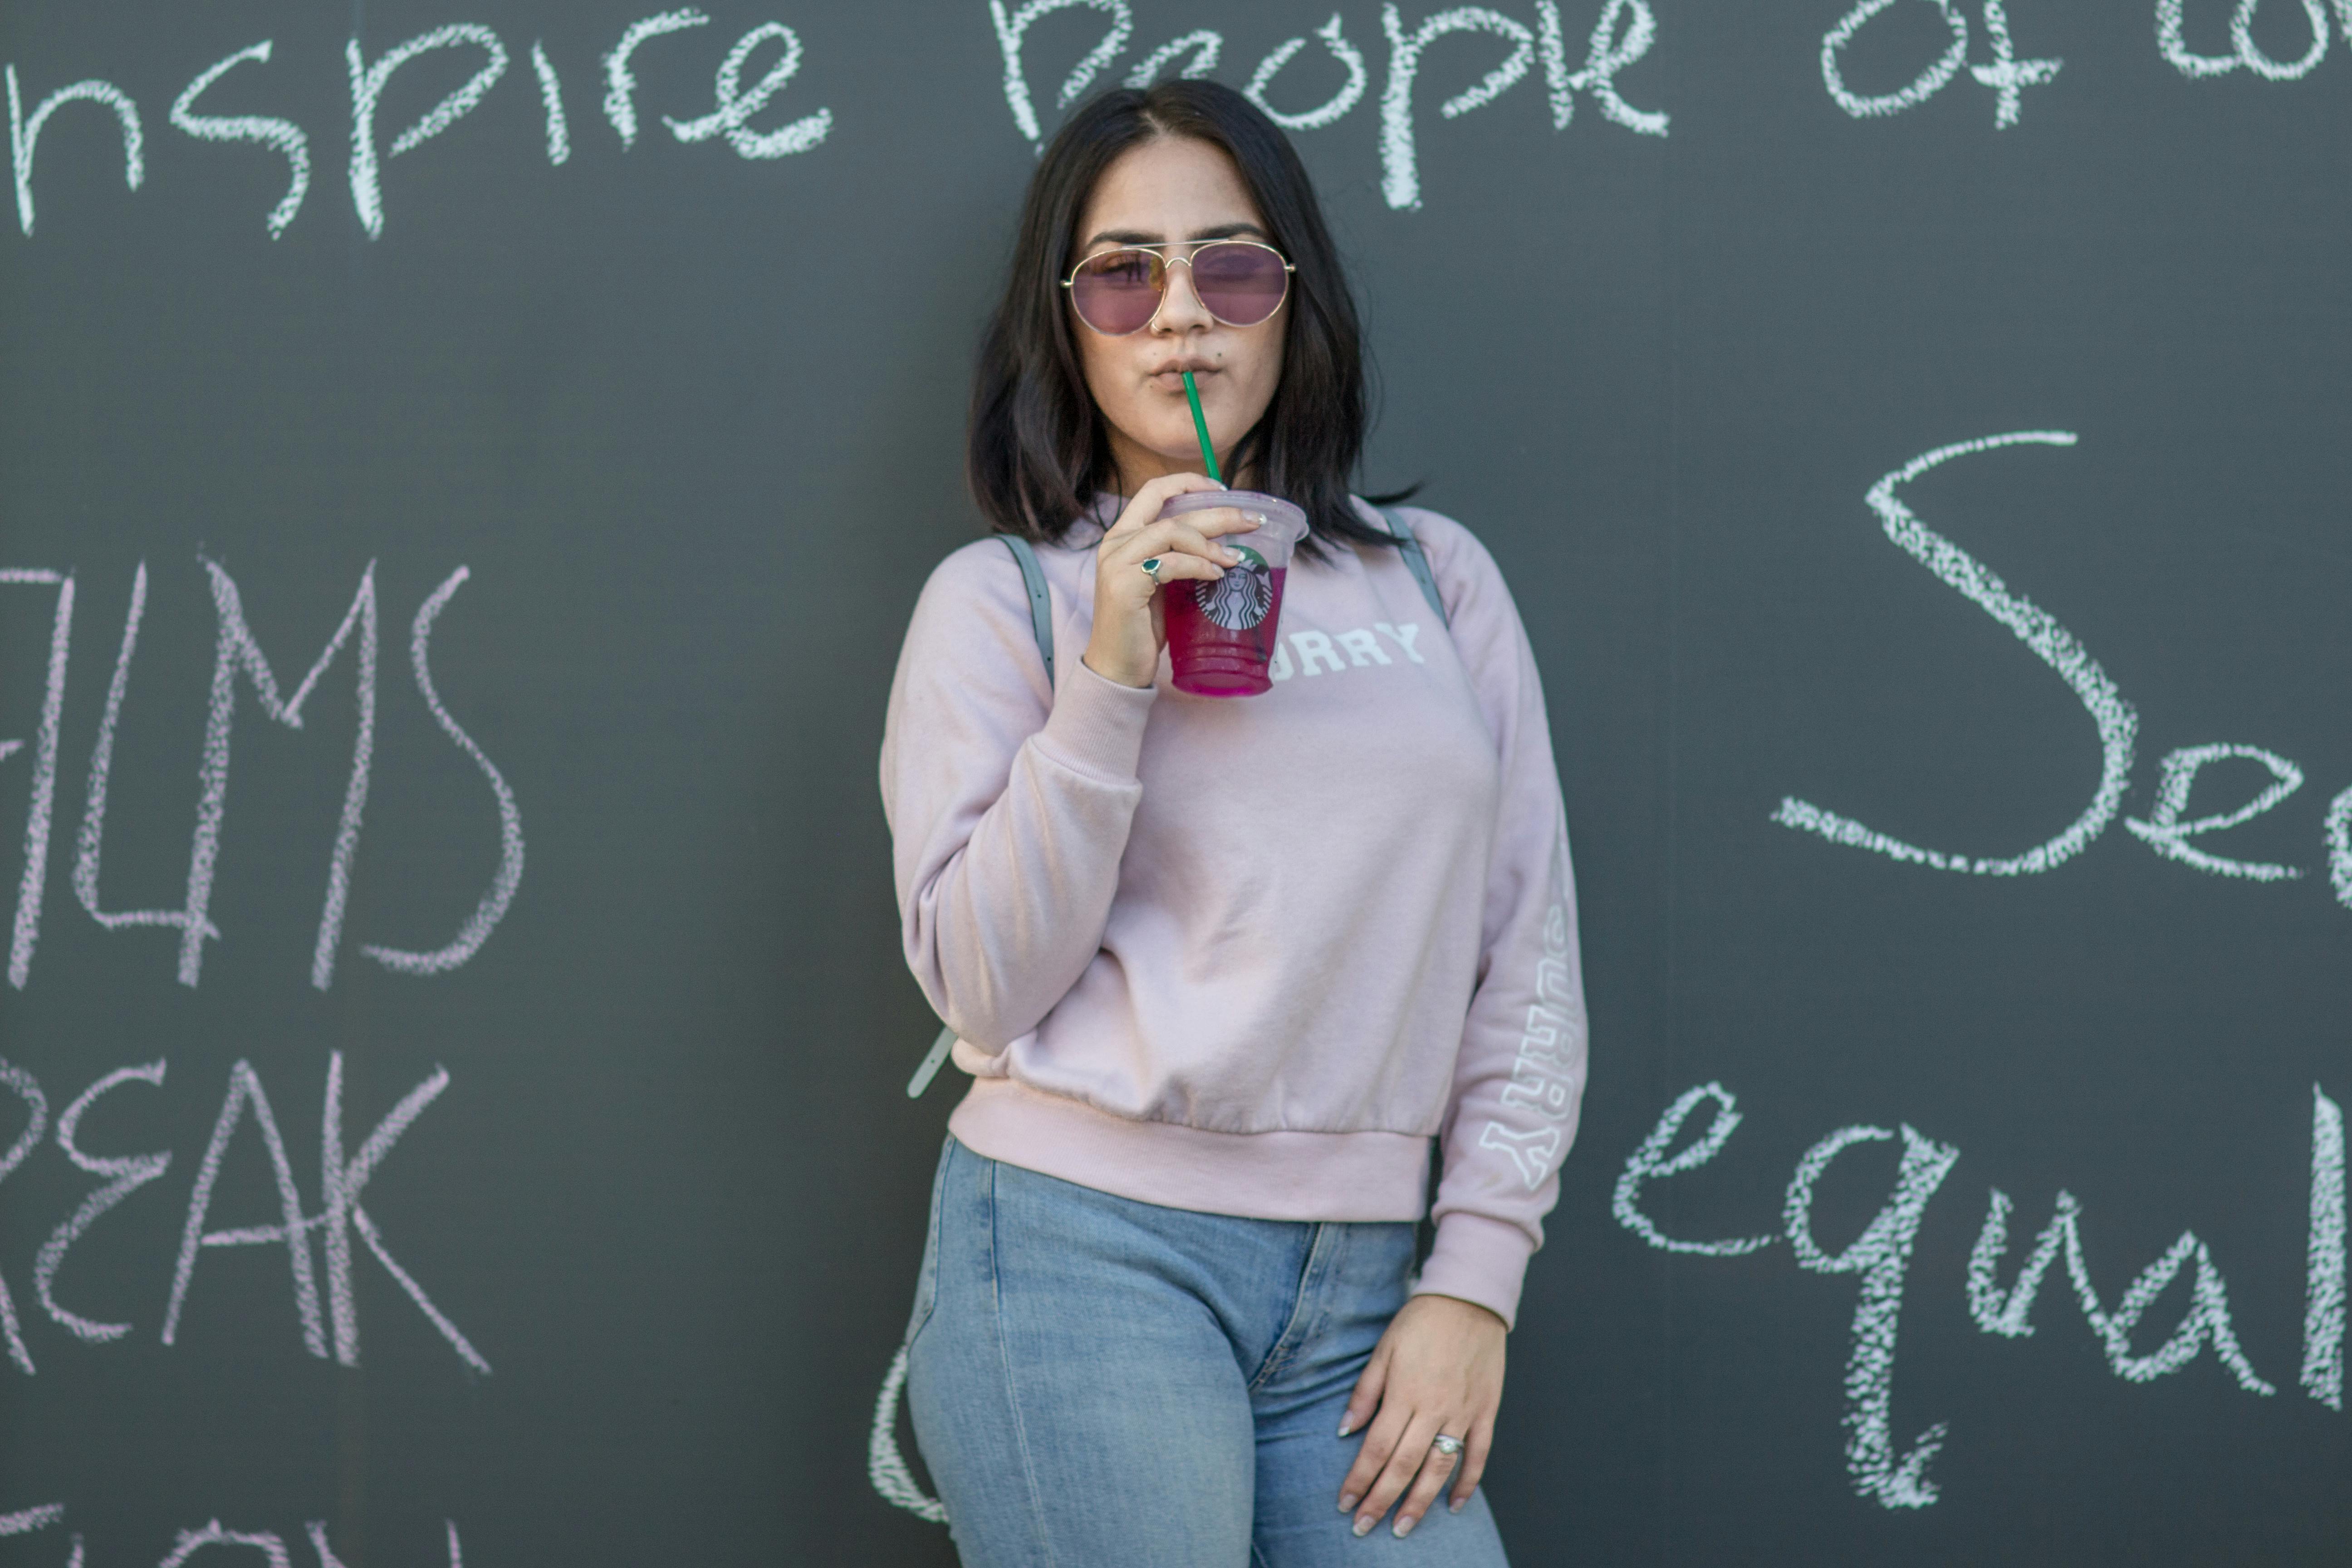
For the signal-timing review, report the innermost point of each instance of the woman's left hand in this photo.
(1438, 1369)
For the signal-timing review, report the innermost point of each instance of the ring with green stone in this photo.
(1151, 569)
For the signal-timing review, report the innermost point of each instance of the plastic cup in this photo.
(1221, 634)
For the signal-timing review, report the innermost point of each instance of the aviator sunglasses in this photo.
(1238, 281)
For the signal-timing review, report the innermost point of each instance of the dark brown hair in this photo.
(1037, 451)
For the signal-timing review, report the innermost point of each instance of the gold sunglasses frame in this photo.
(1168, 261)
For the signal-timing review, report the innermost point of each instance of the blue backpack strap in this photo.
(928, 1068)
(1041, 607)
(1414, 561)
(1040, 622)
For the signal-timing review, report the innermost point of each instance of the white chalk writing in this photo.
(2117, 722)
(1881, 1256)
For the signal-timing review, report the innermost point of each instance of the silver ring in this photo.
(1449, 1447)
(1151, 569)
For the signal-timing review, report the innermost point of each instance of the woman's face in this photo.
(1174, 188)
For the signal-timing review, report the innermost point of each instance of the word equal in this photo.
(1881, 1257)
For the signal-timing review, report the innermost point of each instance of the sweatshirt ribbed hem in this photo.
(1477, 1259)
(1256, 1175)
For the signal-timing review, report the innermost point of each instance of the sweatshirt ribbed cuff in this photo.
(1478, 1259)
(1097, 725)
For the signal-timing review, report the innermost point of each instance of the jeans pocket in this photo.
(927, 1279)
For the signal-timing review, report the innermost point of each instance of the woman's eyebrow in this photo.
(1137, 236)
(1122, 237)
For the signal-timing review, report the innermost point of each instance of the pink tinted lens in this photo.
(1242, 285)
(1117, 291)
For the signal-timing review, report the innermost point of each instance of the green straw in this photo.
(1201, 428)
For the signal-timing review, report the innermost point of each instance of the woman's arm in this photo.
(1518, 1083)
(1519, 1078)
(1009, 802)
(1009, 799)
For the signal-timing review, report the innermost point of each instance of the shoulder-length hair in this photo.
(1038, 451)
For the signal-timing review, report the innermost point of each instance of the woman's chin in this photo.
(1179, 453)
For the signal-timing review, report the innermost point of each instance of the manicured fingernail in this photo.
(1346, 1425)
(1364, 1522)
(1348, 1501)
(1455, 1505)
(1230, 553)
(1403, 1525)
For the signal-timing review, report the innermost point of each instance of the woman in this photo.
(1224, 971)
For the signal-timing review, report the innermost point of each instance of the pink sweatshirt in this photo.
(1250, 955)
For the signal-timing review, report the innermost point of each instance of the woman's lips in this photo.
(1174, 380)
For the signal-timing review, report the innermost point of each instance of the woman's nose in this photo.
(1180, 310)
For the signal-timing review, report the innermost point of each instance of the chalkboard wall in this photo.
(452, 1105)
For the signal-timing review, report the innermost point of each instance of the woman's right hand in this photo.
(1129, 631)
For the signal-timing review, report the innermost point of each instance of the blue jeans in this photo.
(1099, 1382)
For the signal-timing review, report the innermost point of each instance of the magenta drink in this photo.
(1210, 658)
(1221, 634)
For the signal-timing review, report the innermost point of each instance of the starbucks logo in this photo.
(1240, 599)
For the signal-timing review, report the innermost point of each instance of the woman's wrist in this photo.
(1478, 1312)
(1113, 671)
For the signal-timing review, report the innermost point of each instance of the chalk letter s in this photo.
(282, 134)
(509, 876)
(2052, 643)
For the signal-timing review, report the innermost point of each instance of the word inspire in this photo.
(239, 656)
(342, 1180)
(271, 1545)
(2164, 831)
(730, 118)
(1624, 35)
(2007, 76)
(1881, 1256)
